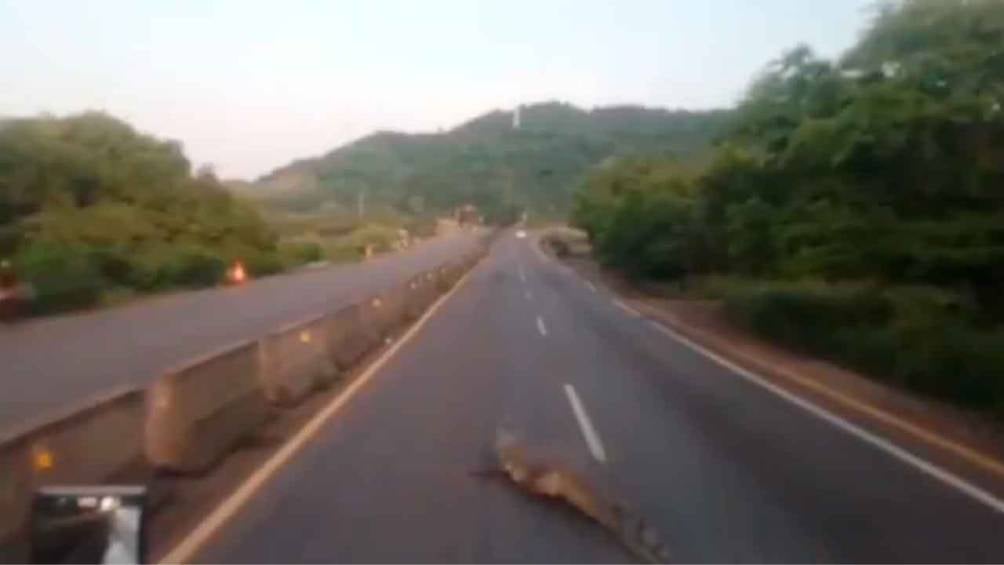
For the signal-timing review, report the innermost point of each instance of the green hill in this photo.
(487, 161)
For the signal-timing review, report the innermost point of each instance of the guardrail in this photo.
(195, 414)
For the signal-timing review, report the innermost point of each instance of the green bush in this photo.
(919, 338)
(805, 315)
(343, 251)
(421, 227)
(295, 253)
(263, 263)
(115, 265)
(62, 278)
(381, 237)
(191, 267)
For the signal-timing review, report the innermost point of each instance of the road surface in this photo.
(48, 363)
(724, 470)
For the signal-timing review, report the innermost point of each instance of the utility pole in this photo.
(361, 203)
(510, 205)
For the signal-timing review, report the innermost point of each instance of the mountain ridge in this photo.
(485, 160)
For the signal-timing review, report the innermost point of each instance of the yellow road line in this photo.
(889, 447)
(983, 461)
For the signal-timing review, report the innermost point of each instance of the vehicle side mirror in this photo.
(88, 524)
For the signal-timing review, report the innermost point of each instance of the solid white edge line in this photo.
(591, 286)
(626, 308)
(586, 425)
(880, 443)
(194, 541)
(541, 327)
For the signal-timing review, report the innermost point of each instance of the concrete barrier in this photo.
(89, 443)
(385, 312)
(449, 274)
(431, 292)
(295, 361)
(15, 501)
(349, 336)
(442, 278)
(421, 292)
(395, 312)
(204, 409)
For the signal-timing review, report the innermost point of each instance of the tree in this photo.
(88, 198)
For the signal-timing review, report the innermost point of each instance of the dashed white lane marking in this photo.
(528, 294)
(586, 426)
(959, 484)
(522, 274)
(627, 308)
(541, 327)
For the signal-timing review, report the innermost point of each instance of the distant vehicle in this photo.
(521, 234)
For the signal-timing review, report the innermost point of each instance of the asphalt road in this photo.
(724, 470)
(48, 363)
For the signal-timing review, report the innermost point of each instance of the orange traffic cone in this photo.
(237, 274)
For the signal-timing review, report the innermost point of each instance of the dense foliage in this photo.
(884, 168)
(488, 162)
(87, 205)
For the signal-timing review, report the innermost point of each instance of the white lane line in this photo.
(540, 326)
(522, 274)
(591, 286)
(586, 426)
(627, 308)
(195, 540)
(528, 294)
(864, 435)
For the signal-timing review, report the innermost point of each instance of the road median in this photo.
(195, 417)
(91, 443)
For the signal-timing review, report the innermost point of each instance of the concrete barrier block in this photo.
(88, 443)
(449, 275)
(394, 311)
(295, 361)
(430, 292)
(420, 294)
(443, 282)
(199, 412)
(385, 312)
(471, 260)
(349, 336)
(16, 488)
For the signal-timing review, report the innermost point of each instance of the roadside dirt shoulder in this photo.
(966, 443)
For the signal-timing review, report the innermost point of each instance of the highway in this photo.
(46, 364)
(723, 469)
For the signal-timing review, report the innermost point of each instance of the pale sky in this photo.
(247, 86)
